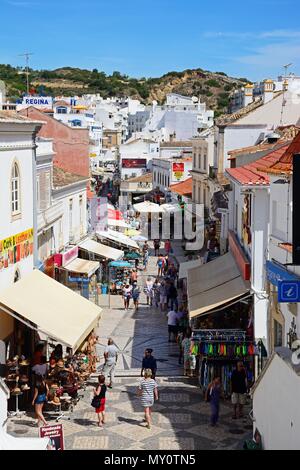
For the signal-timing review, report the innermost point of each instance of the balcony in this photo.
(49, 216)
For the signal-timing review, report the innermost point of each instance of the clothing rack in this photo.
(226, 335)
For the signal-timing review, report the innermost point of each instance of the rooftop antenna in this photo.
(284, 90)
(27, 55)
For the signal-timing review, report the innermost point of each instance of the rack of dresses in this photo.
(218, 351)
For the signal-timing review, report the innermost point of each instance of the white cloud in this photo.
(272, 55)
(275, 34)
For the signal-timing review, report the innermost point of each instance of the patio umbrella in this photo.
(120, 264)
(132, 255)
(139, 238)
(131, 232)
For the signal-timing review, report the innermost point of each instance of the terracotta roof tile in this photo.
(147, 177)
(183, 188)
(285, 163)
(254, 173)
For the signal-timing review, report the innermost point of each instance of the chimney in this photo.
(268, 90)
(248, 94)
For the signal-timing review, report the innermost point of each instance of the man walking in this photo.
(149, 362)
(111, 357)
(239, 390)
(172, 324)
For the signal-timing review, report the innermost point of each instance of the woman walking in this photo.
(127, 295)
(41, 391)
(160, 265)
(213, 394)
(149, 291)
(148, 392)
(100, 393)
(186, 347)
(135, 295)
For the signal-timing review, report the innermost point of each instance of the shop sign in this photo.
(178, 171)
(276, 273)
(134, 163)
(69, 255)
(55, 435)
(40, 101)
(289, 291)
(93, 155)
(15, 248)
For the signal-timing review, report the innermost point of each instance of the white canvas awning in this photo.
(82, 266)
(101, 250)
(171, 208)
(118, 223)
(184, 267)
(214, 284)
(118, 238)
(56, 310)
(148, 206)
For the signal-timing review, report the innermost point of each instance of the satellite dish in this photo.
(195, 99)
(154, 102)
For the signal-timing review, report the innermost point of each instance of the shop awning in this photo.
(148, 206)
(56, 310)
(8, 442)
(101, 250)
(214, 284)
(184, 267)
(118, 223)
(118, 238)
(82, 266)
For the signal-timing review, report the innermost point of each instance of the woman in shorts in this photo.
(148, 392)
(100, 392)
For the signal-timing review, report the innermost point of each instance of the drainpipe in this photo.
(35, 225)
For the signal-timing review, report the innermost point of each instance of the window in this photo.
(278, 336)
(204, 161)
(71, 219)
(15, 190)
(199, 194)
(194, 159)
(61, 110)
(17, 276)
(81, 214)
(199, 160)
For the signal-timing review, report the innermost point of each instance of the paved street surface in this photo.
(180, 418)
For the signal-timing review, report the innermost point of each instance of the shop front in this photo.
(95, 251)
(221, 317)
(78, 274)
(45, 313)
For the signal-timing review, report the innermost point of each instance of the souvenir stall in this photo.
(78, 274)
(218, 351)
(43, 311)
(119, 274)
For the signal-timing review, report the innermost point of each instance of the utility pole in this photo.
(27, 55)
(284, 90)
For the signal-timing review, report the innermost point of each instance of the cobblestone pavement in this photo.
(180, 417)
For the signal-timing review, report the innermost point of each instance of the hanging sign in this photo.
(178, 171)
(289, 291)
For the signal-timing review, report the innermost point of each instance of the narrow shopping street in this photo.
(180, 417)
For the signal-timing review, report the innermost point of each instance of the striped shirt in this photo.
(147, 386)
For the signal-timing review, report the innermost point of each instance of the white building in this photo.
(168, 171)
(136, 157)
(252, 124)
(180, 118)
(17, 224)
(276, 410)
(251, 92)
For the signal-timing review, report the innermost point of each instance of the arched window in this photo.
(15, 190)
(17, 275)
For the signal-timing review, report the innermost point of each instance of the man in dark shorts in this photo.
(149, 362)
(239, 390)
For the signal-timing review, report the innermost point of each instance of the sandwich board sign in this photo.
(55, 435)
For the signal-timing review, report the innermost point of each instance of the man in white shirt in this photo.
(172, 324)
(111, 357)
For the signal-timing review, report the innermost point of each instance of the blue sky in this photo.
(150, 37)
